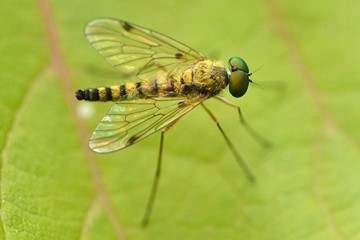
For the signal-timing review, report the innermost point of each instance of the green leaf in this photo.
(53, 187)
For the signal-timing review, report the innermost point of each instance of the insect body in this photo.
(169, 80)
(205, 79)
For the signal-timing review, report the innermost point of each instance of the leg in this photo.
(260, 140)
(238, 158)
(154, 188)
(151, 200)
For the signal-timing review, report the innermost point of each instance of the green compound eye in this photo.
(238, 64)
(239, 77)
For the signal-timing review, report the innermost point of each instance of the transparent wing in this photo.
(130, 121)
(136, 50)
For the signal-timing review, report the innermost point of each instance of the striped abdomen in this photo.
(113, 93)
(129, 91)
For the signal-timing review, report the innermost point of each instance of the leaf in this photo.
(53, 187)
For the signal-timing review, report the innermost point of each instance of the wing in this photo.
(136, 50)
(128, 122)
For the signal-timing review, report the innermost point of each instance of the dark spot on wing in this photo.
(132, 140)
(181, 104)
(179, 55)
(127, 27)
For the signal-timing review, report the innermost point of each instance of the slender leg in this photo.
(154, 188)
(238, 158)
(155, 185)
(259, 139)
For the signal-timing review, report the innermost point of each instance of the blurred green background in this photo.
(53, 187)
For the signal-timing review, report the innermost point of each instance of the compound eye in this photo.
(237, 63)
(239, 83)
